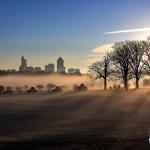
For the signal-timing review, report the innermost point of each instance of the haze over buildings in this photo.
(49, 68)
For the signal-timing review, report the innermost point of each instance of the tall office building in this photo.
(49, 68)
(60, 65)
(23, 66)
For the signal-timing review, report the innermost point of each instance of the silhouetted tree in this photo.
(120, 57)
(9, 90)
(80, 88)
(137, 49)
(101, 69)
(32, 90)
(57, 89)
(2, 88)
(146, 61)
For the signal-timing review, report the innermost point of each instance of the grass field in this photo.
(93, 120)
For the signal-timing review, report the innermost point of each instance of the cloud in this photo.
(127, 31)
(103, 48)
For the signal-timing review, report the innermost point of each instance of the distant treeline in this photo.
(40, 88)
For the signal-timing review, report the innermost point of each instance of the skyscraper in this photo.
(60, 65)
(23, 66)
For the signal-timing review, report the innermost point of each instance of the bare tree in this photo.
(101, 69)
(120, 57)
(137, 49)
(146, 61)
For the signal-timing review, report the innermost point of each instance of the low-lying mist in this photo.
(146, 82)
(33, 80)
(61, 80)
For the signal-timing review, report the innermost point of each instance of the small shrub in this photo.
(9, 90)
(32, 90)
(19, 89)
(80, 88)
(50, 86)
(57, 89)
(40, 87)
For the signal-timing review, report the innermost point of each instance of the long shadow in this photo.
(101, 120)
(41, 117)
(71, 138)
(90, 122)
(131, 118)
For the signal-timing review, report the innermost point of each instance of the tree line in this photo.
(127, 60)
(40, 88)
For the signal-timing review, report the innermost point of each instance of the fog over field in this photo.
(93, 119)
(33, 80)
(61, 80)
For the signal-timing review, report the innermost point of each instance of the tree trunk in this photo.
(105, 83)
(137, 82)
(126, 83)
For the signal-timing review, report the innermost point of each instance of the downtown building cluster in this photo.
(49, 68)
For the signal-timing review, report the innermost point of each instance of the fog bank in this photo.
(33, 80)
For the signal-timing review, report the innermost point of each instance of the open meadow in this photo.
(92, 120)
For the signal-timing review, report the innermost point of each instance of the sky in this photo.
(81, 31)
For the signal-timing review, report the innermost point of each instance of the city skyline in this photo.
(49, 68)
(79, 31)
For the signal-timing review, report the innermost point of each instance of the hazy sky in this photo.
(78, 30)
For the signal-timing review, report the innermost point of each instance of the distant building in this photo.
(23, 66)
(49, 68)
(60, 65)
(30, 69)
(37, 69)
(73, 71)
